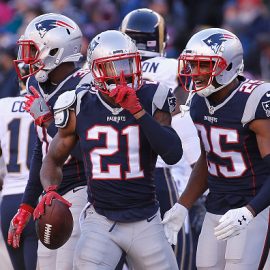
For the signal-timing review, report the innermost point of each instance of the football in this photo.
(55, 226)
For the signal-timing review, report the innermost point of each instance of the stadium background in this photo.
(249, 19)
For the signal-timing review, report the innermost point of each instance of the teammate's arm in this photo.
(262, 130)
(197, 183)
(157, 129)
(59, 150)
(30, 198)
(174, 218)
(51, 170)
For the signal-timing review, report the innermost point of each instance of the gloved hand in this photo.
(126, 96)
(18, 223)
(232, 222)
(173, 221)
(37, 107)
(50, 194)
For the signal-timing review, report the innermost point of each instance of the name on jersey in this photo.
(150, 67)
(116, 118)
(210, 119)
(18, 106)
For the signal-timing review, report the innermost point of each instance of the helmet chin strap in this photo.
(209, 90)
(42, 76)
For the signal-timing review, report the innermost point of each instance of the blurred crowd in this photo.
(248, 19)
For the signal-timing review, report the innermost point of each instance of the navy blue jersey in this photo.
(236, 170)
(73, 169)
(118, 158)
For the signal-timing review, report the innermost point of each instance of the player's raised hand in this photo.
(50, 194)
(126, 96)
(173, 221)
(37, 107)
(232, 222)
(18, 223)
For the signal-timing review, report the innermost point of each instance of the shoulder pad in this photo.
(160, 97)
(255, 98)
(65, 100)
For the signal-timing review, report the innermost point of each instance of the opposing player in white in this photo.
(5, 262)
(17, 133)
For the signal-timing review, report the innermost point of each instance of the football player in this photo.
(231, 114)
(16, 135)
(148, 29)
(51, 47)
(122, 124)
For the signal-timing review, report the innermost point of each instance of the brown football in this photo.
(55, 226)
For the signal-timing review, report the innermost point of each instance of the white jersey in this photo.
(161, 69)
(165, 70)
(17, 135)
(187, 132)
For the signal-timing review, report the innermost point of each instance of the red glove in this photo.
(47, 200)
(126, 96)
(18, 223)
(37, 107)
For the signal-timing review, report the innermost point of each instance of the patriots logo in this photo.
(266, 107)
(93, 45)
(215, 41)
(172, 103)
(44, 26)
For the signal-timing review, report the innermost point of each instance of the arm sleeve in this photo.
(163, 139)
(34, 188)
(262, 199)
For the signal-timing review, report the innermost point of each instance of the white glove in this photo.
(173, 221)
(232, 222)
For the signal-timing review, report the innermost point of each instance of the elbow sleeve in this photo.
(163, 139)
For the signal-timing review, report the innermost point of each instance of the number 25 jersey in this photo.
(236, 171)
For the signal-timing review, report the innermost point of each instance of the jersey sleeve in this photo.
(258, 104)
(34, 188)
(163, 99)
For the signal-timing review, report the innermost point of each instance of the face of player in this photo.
(201, 72)
(117, 70)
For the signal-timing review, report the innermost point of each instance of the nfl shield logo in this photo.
(266, 107)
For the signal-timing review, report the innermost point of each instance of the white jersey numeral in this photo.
(212, 144)
(112, 147)
(19, 146)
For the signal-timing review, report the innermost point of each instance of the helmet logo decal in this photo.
(215, 41)
(93, 45)
(44, 26)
